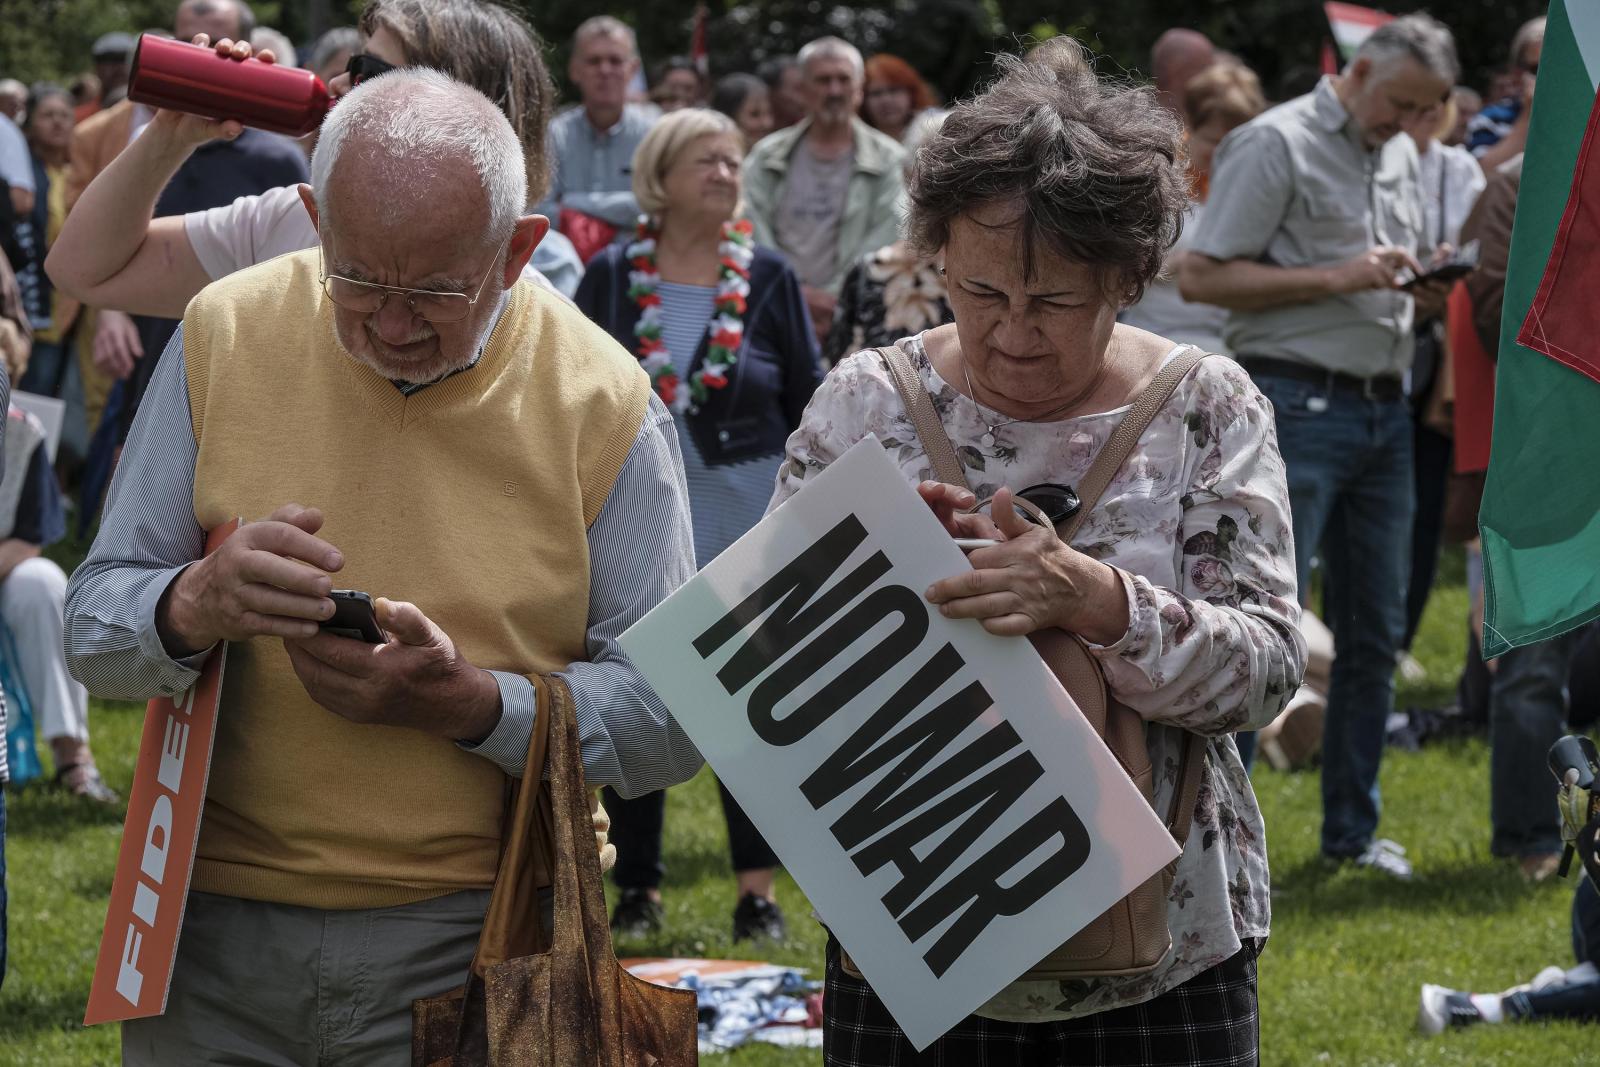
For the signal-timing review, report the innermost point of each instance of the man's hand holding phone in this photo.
(417, 679)
(1380, 267)
(1431, 288)
(270, 579)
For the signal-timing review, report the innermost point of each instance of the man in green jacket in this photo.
(826, 191)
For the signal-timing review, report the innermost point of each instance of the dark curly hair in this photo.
(1094, 164)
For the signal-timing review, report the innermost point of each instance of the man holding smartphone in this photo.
(399, 415)
(1314, 224)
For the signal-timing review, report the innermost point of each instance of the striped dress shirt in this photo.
(640, 549)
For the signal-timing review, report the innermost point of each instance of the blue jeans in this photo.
(1527, 714)
(46, 373)
(1568, 1000)
(1349, 465)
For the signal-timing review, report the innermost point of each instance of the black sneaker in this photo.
(757, 917)
(636, 915)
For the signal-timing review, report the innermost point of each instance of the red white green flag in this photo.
(1540, 520)
(1352, 24)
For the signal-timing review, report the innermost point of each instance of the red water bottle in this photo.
(186, 77)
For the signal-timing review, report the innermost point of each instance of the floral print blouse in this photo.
(1197, 522)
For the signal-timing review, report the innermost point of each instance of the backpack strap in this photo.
(1117, 448)
(941, 453)
(1110, 459)
(1187, 793)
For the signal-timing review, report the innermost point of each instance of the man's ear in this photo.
(525, 237)
(309, 199)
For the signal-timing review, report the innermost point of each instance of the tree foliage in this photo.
(950, 41)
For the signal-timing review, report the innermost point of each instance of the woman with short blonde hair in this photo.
(1222, 96)
(662, 147)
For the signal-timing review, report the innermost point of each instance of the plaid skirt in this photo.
(1208, 1021)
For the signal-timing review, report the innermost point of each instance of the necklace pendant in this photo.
(988, 439)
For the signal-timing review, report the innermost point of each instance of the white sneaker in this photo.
(1439, 1008)
(1387, 857)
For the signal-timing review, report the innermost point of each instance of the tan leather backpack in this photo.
(1132, 936)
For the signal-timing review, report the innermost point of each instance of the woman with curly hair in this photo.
(1053, 198)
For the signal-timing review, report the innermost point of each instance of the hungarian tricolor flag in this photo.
(1351, 24)
(1540, 519)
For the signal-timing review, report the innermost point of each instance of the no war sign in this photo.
(931, 786)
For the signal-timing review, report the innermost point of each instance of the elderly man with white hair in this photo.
(827, 190)
(399, 414)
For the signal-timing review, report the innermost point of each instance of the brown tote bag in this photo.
(1132, 936)
(562, 1001)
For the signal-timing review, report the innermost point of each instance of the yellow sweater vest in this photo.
(471, 498)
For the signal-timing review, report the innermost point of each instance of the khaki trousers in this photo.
(270, 984)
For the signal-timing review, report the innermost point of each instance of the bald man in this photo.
(1178, 55)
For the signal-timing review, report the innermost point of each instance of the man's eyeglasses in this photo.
(363, 66)
(368, 298)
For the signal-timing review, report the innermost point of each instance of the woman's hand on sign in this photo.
(270, 579)
(950, 504)
(418, 679)
(1032, 581)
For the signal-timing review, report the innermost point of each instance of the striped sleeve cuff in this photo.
(173, 675)
(507, 744)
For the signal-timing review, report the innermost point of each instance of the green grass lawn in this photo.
(1338, 982)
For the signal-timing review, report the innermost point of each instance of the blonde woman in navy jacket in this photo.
(722, 327)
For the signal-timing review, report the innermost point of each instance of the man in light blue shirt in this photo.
(1313, 226)
(592, 146)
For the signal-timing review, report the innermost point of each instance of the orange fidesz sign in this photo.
(145, 916)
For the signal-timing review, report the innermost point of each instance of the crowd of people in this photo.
(625, 327)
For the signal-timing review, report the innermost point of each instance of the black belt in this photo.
(1378, 387)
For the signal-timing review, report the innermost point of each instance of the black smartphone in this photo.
(1448, 273)
(354, 617)
(1463, 263)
